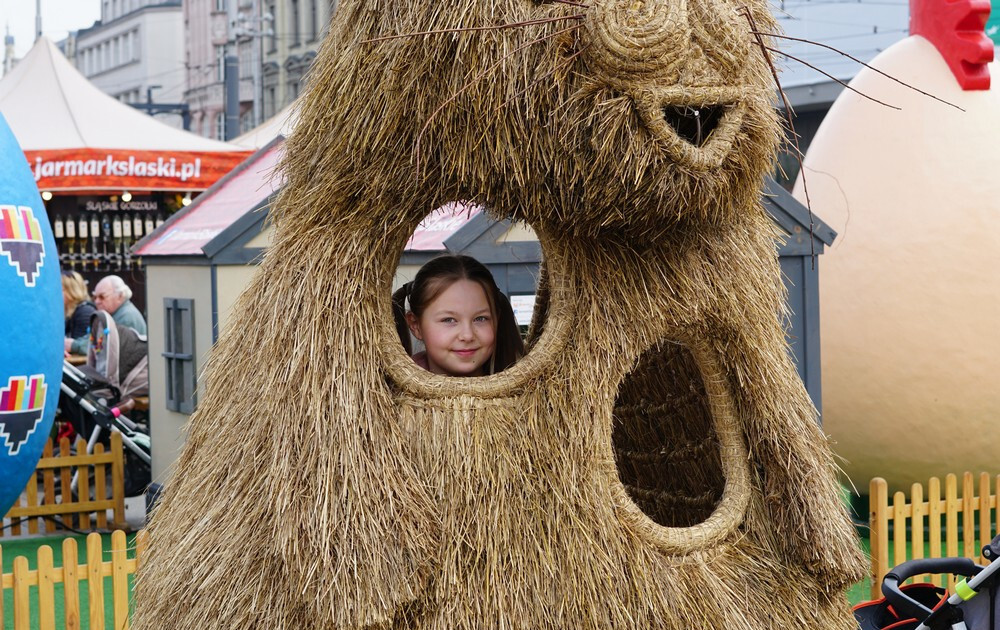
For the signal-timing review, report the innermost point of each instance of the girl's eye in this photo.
(483, 318)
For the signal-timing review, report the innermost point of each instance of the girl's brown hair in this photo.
(439, 274)
(75, 289)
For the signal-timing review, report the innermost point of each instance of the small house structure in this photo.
(197, 263)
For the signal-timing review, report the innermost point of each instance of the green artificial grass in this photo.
(29, 547)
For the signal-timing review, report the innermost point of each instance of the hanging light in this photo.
(46, 195)
(126, 196)
(186, 201)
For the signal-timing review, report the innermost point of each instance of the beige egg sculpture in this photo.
(910, 298)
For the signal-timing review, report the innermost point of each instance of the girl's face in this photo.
(458, 330)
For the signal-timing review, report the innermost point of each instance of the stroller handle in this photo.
(905, 604)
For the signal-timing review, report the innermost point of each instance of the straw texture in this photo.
(653, 462)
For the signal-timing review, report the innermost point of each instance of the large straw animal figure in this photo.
(653, 462)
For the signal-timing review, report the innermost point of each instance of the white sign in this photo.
(524, 307)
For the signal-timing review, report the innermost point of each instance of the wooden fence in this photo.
(43, 502)
(72, 576)
(931, 525)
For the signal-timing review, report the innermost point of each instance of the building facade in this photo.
(207, 33)
(276, 42)
(298, 28)
(135, 53)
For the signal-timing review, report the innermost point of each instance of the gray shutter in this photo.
(179, 353)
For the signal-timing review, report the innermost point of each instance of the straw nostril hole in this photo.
(694, 124)
(665, 445)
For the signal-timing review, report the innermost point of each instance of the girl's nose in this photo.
(465, 332)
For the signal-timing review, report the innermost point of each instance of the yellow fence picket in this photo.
(95, 581)
(71, 585)
(934, 520)
(22, 605)
(49, 485)
(32, 495)
(100, 490)
(918, 508)
(118, 481)
(119, 579)
(46, 590)
(879, 531)
(899, 528)
(83, 494)
(969, 503)
(65, 479)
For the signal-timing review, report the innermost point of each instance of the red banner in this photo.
(104, 169)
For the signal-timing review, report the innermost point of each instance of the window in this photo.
(272, 40)
(296, 29)
(270, 103)
(220, 126)
(179, 353)
(220, 56)
(313, 20)
(220, 5)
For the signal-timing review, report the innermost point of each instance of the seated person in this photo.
(77, 309)
(465, 322)
(112, 295)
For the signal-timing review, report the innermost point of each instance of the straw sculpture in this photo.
(652, 462)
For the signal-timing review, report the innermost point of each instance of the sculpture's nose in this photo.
(633, 40)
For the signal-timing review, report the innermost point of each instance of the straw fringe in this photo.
(328, 482)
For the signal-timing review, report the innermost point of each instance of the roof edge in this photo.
(183, 212)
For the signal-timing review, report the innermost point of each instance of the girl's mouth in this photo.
(465, 353)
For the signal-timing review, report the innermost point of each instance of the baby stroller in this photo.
(96, 396)
(923, 606)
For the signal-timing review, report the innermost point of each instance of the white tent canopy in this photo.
(280, 124)
(50, 105)
(77, 138)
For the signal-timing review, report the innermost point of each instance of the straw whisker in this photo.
(791, 126)
(856, 60)
(830, 76)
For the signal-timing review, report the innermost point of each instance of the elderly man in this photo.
(112, 295)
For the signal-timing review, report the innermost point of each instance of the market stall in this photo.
(108, 173)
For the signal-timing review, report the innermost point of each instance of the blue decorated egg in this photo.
(31, 318)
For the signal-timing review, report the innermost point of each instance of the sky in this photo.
(58, 18)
